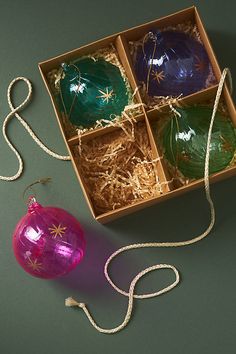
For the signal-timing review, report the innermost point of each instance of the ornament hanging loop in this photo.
(32, 197)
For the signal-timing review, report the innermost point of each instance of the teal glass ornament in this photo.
(184, 141)
(91, 90)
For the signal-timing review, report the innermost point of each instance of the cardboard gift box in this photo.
(148, 115)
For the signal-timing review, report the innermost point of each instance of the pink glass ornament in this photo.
(48, 242)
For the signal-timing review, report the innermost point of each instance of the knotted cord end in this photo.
(70, 302)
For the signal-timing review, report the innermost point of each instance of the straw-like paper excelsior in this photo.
(119, 169)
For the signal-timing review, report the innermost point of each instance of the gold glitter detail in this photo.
(158, 76)
(200, 65)
(106, 96)
(34, 265)
(57, 230)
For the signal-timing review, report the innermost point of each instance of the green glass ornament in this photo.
(91, 90)
(184, 141)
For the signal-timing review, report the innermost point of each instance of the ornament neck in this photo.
(33, 205)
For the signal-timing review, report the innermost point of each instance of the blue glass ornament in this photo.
(171, 63)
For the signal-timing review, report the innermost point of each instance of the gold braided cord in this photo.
(14, 113)
(130, 294)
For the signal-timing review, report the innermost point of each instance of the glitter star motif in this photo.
(183, 157)
(57, 230)
(226, 144)
(158, 76)
(34, 265)
(200, 65)
(106, 95)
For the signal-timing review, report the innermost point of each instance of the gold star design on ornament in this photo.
(183, 157)
(227, 146)
(57, 230)
(106, 95)
(158, 76)
(200, 65)
(34, 265)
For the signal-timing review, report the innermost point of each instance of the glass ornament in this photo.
(184, 141)
(171, 63)
(48, 242)
(91, 90)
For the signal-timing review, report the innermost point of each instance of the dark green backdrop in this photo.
(199, 315)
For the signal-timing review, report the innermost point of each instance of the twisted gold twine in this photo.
(130, 294)
(14, 113)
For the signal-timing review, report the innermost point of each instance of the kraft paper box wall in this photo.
(145, 116)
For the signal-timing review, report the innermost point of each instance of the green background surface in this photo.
(196, 317)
